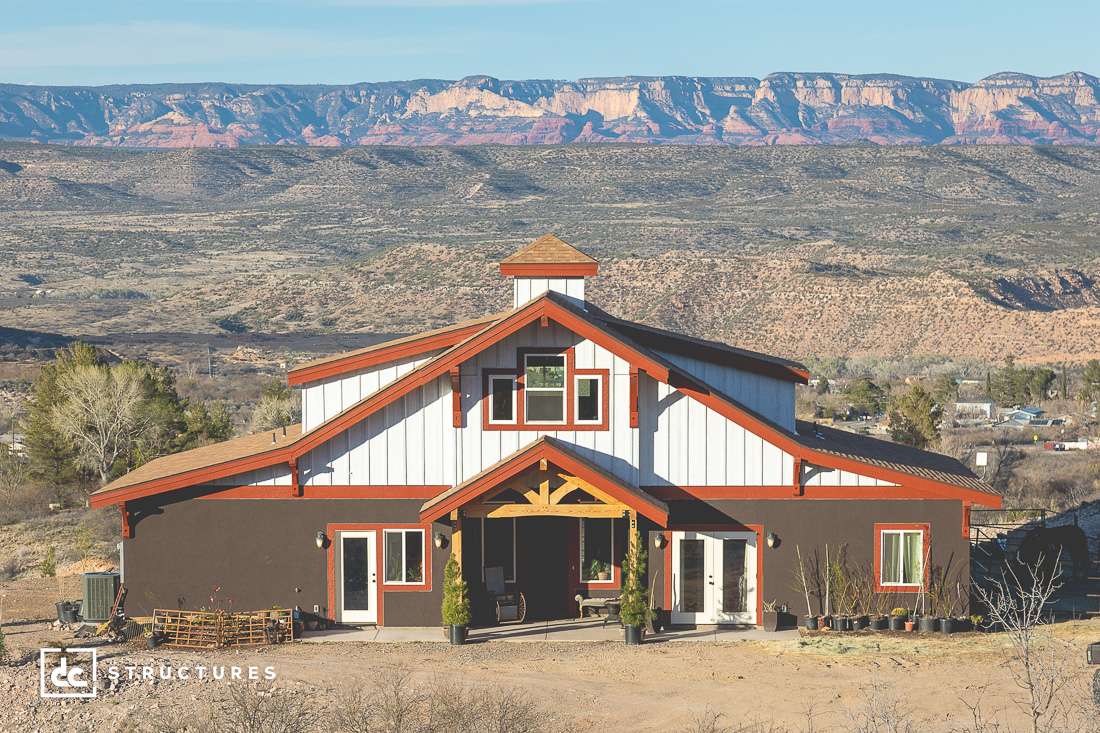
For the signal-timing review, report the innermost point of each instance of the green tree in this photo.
(822, 385)
(1039, 382)
(915, 419)
(945, 389)
(867, 398)
(276, 390)
(456, 597)
(634, 608)
(1091, 379)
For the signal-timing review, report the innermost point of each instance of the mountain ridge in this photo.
(799, 108)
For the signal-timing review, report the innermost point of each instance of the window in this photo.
(588, 400)
(404, 556)
(498, 546)
(596, 543)
(502, 400)
(902, 557)
(545, 388)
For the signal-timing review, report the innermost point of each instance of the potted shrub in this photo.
(897, 619)
(802, 585)
(634, 607)
(771, 616)
(599, 570)
(456, 602)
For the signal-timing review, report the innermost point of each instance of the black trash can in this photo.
(65, 612)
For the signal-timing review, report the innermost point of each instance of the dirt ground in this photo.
(582, 686)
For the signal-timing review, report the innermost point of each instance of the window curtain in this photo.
(914, 551)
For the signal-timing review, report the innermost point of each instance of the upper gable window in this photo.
(544, 387)
(502, 400)
(589, 403)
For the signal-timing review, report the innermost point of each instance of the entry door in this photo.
(356, 578)
(714, 578)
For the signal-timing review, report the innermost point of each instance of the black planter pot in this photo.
(841, 623)
(657, 621)
(858, 622)
(878, 623)
(458, 635)
(949, 625)
(634, 634)
(811, 623)
(897, 623)
(151, 642)
(771, 620)
(926, 623)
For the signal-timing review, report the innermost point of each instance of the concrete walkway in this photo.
(563, 630)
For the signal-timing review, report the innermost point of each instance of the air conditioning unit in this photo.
(100, 590)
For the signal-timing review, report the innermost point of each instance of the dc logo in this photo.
(67, 672)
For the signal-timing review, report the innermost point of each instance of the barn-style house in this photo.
(533, 440)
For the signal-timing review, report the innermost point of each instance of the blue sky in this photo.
(347, 41)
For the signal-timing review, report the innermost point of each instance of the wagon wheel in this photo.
(521, 608)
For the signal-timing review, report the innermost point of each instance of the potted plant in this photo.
(150, 637)
(456, 602)
(897, 619)
(803, 585)
(771, 615)
(634, 607)
(599, 570)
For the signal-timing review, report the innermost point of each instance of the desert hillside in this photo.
(785, 108)
(977, 251)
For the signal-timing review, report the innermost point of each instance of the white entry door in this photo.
(356, 578)
(714, 578)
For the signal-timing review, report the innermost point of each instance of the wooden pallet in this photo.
(204, 630)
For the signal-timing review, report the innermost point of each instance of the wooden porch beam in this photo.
(544, 483)
(591, 511)
(563, 491)
(456, 539)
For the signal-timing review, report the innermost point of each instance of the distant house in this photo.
(533, 443)
(16, 443)
(983, 407)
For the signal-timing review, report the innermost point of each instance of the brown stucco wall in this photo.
(809, 524)
(261, 552)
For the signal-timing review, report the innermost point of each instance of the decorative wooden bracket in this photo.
(295, 483)
(544, 321)
(798, 489)
(456, 397)
(126, 532)
(634, 397)
(966, 520)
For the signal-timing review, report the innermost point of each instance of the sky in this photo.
(76, 42)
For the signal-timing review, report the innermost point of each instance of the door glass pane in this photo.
(499, 538)
(394, 557)
(546, 406)
(734, 576)
(354, 558)
(502, 400)
(588, 399)
(891, 557)
(691, 576)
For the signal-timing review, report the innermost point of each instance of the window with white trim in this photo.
(597, 541)
(404, 551)
(902, 561)
(502, 400)
(588, 400)
(544, 388)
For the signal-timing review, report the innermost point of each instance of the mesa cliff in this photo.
(781, 109)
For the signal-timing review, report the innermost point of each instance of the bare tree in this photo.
(274, 412)
(1038, 664)
(882, 711)
(13, 473)
(101, 414)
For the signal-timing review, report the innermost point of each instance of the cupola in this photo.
(548, 264)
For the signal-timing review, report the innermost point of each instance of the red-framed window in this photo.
(582, 553)
(902, 557)
(545, 391)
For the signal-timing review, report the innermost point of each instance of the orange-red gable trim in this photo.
(550, 270)
(354, 362)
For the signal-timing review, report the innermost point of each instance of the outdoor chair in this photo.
(510, 605)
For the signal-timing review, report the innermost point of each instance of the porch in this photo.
(562, 630)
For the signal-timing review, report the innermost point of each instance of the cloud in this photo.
(152, 43)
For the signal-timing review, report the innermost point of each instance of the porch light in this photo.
(439, 539)
(773, 539)
(659, 541)
(321, 540)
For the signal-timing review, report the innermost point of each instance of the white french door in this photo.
(714, 578)
(356, 578)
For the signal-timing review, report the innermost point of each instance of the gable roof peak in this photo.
(548, 256)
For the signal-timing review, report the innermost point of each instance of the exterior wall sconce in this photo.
(773, 539)
(321, 540)
(659, 541)
(440, 540)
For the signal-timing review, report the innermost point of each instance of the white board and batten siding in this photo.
(526, 289)
(817, 476)
(767, 396)
(324, 399)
